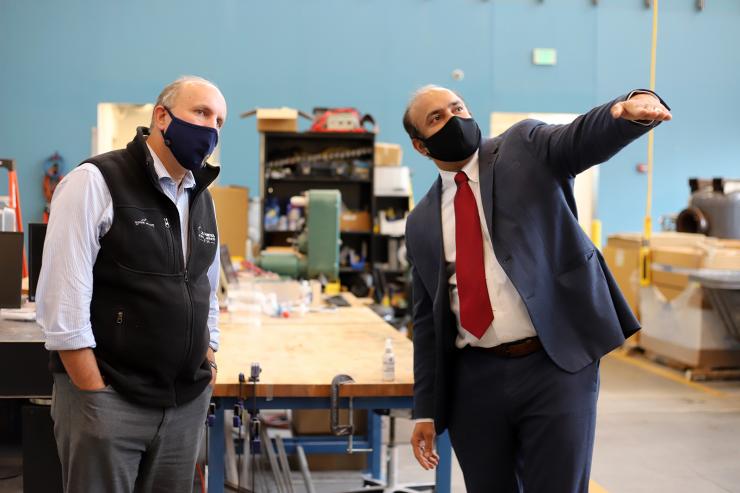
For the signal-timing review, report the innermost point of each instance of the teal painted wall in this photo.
(58, 59)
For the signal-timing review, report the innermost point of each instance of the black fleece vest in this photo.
(149, 308)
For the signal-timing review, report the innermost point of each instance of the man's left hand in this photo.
(644, 107)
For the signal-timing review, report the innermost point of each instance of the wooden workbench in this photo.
(301, 355)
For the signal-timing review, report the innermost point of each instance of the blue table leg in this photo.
(216, 452)
(444, 469)
(375, 437)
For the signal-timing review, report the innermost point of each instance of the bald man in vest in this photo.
(127, 301)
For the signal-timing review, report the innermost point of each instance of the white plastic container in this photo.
(389, 362)
(7, 218)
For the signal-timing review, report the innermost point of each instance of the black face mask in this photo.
(456, 141)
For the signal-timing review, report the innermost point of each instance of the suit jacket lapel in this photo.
(443, 318)
(424, 231)
(436, 245)
(486, 160)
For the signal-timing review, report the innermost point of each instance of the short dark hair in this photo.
(408, 125)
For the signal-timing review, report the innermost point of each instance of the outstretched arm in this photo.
(598, 135)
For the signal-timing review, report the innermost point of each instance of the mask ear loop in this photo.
(420, 139)
(180, 121)
(167, 142)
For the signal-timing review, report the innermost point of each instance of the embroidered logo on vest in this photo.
(207, 238)
(143, 222)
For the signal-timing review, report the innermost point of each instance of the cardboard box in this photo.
(277, 120)
(722, 243)
(388, 154)
(232, 211)
(679, 321)
(671, 284)
(337, 462)
(710, 255)
(685, 328)
(675, 239)
(355, 221)
(318, 421)
(722, 255)
(332, 462)
(622, 255)
(683, 250)
(686, 257)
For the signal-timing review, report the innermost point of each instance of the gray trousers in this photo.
(108, 444)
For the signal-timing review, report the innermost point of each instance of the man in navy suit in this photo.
(513, 306)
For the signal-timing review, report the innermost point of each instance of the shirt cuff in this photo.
(214, 333)
(214, 337)
(424, 420)
(69, 340)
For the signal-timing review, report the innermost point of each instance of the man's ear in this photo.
(420, 147)
(160, 117)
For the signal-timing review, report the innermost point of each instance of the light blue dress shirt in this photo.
(83, 215)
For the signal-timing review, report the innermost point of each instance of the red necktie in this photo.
(476, 313)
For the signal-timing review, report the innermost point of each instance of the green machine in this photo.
(317, 248)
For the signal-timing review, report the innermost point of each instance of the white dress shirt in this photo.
(85, 215)
(511, 320)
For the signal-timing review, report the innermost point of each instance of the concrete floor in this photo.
(655, 433)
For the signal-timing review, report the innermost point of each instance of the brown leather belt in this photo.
(514, 349)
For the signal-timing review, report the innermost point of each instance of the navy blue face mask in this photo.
(190, 144)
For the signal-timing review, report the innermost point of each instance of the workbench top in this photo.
(301, 355)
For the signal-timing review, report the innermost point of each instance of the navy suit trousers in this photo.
(522, 424)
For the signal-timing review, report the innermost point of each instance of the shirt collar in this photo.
(188, 181)
(470, 169)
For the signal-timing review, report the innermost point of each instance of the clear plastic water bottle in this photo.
(389, 362)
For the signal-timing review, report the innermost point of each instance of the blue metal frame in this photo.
(324, 444)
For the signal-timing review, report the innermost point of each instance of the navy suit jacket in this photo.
(526, 180)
